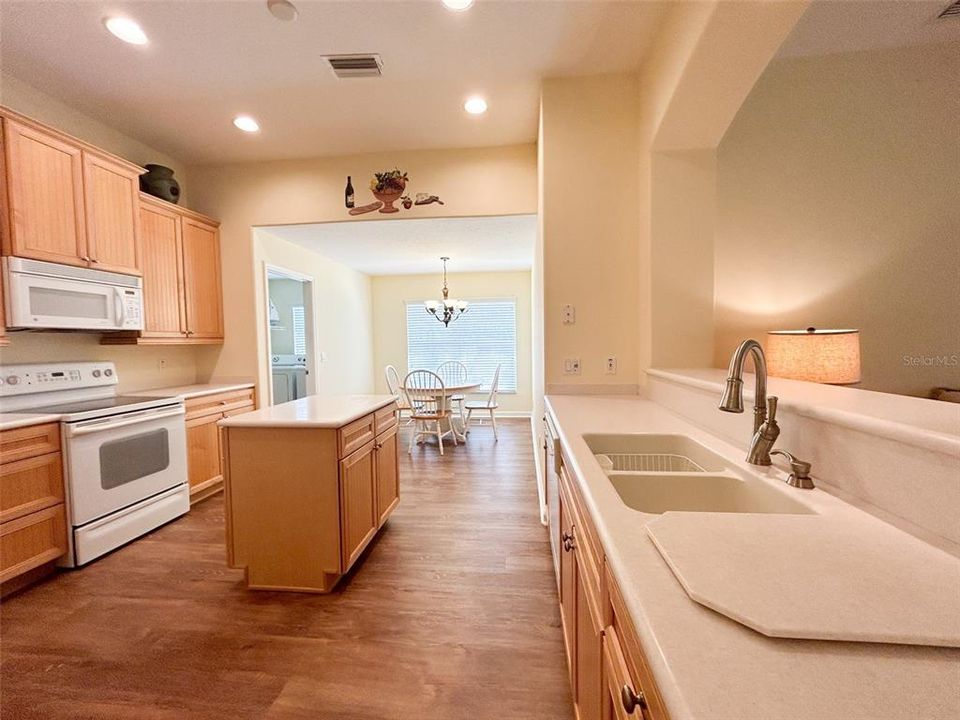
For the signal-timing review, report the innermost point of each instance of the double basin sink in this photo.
(659, 473)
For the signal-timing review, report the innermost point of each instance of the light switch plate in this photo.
(571, 366)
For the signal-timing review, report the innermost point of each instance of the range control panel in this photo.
(46, 377)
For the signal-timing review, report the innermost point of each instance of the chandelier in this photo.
(446, 310)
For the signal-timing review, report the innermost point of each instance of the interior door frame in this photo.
(309, 318)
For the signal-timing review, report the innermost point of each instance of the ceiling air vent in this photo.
(951, 10)
(353, 66)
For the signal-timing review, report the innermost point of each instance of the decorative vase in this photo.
(159, 182)
(389, 198)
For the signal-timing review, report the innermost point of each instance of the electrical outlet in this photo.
(571, 366)
(611, 365)
(569, 315)
(162, 364)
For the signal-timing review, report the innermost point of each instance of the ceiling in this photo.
(407, 247)
(829, 27)
(209, 61)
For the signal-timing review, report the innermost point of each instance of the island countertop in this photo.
(318, 411)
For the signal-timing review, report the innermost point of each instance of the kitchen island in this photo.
(308, 484)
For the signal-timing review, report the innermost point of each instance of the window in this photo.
(299, 331)
(481, 338)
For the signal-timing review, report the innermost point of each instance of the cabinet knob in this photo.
(86, 258)
(567, 541)
(223, 402)
(632, 700)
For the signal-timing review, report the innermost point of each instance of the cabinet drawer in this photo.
(219, 403)
(239, 410)
(355, 435)
(31, 541)
(30, 485)
(385, 418)
(30, 441)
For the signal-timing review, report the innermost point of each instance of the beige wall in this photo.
(342, 311)
(138, 367)
(839, 206)
(589, 215)
(390, 293)
(483, 181)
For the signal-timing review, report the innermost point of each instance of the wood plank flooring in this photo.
(452, 613)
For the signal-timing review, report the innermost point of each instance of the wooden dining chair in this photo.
(395, 389)
(489, 405)
(429, 404)
(454, 372)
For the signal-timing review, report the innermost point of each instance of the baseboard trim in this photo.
(569, 389)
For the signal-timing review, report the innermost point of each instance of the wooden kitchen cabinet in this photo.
(603, 649)
(388, 472)
(204, 438)
(359, 518)
(182, 291)
(33, 528)
(201, 279)
(304, 501)
(67, 201)
(110, 191)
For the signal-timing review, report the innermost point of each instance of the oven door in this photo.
(115, 462)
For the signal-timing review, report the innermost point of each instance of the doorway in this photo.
(290, 334)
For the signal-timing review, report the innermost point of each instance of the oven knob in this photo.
(108, 372)
(13, 380)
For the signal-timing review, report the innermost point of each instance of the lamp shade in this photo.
(823, 356)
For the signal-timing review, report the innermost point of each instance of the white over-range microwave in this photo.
(62, 297)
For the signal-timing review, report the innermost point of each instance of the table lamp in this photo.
(823, 356)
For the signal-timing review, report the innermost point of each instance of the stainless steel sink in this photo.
(659, 473)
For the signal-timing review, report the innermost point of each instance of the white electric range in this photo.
(124, 456)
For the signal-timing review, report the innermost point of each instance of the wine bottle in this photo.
(348, 193)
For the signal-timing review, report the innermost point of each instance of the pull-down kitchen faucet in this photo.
(765, 428)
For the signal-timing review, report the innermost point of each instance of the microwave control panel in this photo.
(132, 314)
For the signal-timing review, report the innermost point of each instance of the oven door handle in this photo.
(100, 426)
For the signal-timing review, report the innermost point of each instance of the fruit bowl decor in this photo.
(388, 187)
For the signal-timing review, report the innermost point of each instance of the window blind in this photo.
(481, 338)
(299, 331)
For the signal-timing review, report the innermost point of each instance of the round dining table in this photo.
(435, 395)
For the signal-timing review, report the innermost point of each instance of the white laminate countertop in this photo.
(10, 421)
(708, 666)
(196, 390)
(317, 411)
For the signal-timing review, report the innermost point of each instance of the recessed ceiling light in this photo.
(246, 123)
(475, 106)
(126, 29)
(282, 10)
(457, 5)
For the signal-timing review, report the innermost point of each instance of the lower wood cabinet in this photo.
(304, 502)
(204, 442)
(609, 676)
(359, 518)
(33, 527)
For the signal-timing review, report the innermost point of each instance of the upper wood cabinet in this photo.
(201, 273)
(67, 202)
(110, 190)
(182, 296)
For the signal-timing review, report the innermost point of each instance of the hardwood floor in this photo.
(452, 613)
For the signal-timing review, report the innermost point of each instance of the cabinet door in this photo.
(568, 586)
(201, 277)
(589, 687)
(45, 191)
(388, 473)
(358, 507)
(163, 306)
(110, 191)
(203, 452)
